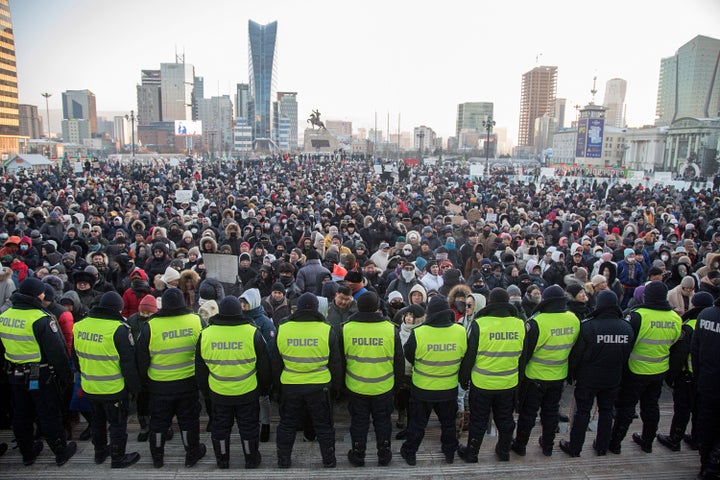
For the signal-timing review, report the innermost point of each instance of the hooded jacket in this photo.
(257, 316)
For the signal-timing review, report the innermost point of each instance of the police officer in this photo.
(105, 350)
(550, 335)
(492, 367)
(373, 358)
(435, 349)
(232, 367)
(38, 369)
(166, 359)
(683, 384)
(706, 366)
(597, 362)
(307, 371)
(657, 328)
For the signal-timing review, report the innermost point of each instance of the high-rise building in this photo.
(242, 98)
(217, 123)
(537, 98)
(689, 84)
(30, 122)
(121, 132)
(80, 105)
(339, 127)
(149, 101)
(10, 118)
(560, 106)
(288, 108)
(469, 120)
(197, 93)
(177, 81)
(614, 101)
(263, 77)
(424, 139)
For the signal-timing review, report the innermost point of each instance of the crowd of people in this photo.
(526, 287)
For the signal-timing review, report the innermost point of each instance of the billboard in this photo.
(581, 138)
(188, 127)
(594, 138)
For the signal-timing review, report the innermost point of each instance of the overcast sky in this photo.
(349, 60)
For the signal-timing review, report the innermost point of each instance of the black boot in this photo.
(101, 454)
(671, 441)
(645, 445)
(546, 449)
(194, 450)
(222, 452)
(502, 448)
(157, 448)
(690, 441)
(63, 451)
(616, 437)
(3, 448)
(120, 459)
(86, 434)
(520, 443)
(144, 430)
(356, 455)
(469, 453)
(565, 447)
(328, 455)
(384, 453)
(35, 450)
(169, 434)
(253, 457)
(284, 458)
(264, 432)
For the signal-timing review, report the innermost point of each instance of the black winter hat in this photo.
(368, 302)
(553, 291)
(173, 298)
(606, 299)
(230, 307)
(111, 301)
(451, 276)
(437, 304)
(49, 292)
(307, 302)
(655, 292)
(573, 290)
(32, 286)
(498, 295)
(700, 299)
(278, 287)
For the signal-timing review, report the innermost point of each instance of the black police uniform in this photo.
(706, 365)
(380, 406)
(112, 409)
(316, 398)
(597, 362)
(244, 408)
(178, 397)
(37, 387)
(684, 386)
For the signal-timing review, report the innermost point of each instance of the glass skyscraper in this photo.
(10, 112)
(263, 77)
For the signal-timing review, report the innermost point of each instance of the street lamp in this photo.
(47, 110)
(488, 124)
(131, 117)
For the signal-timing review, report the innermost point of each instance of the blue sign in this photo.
(594, 142)
(581, 138)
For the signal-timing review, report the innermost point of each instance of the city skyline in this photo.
(352, 63)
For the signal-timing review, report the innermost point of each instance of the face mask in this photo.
(286, 281)
(459, 306)
(715, 265)
(24, 248)
(664, 258)
(630, 261)
(408, 275)
(476, 288)
(598, 254)
(450, 246)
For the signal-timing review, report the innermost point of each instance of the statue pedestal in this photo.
(319, 141)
